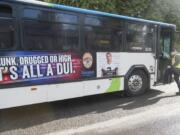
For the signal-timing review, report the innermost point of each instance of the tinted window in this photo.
(5, 11)
(50, 36)
(68, 36)
(103, 34)
(140, 37)
(55, 31)
(6, 34)
(50, 16)
(93, 21)
(112, 22)
(38, 36)
(99, 39)
(165, 41)
(103, 21)
(66, 18)
(36, 14)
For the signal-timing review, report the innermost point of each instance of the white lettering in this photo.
(64, 58)
(32, 72)
(66, 68)
(1, 73)
(59, 69)
(49, 70)
(33, 60)
(25, 72)
(53, 59)
(39, 71)
(13, 71)
(9, 61)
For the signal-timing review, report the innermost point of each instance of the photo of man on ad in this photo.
(110, 69)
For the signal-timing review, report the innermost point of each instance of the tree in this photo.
(123, 7)
(103, 5)
(165, 11)
(133, 8)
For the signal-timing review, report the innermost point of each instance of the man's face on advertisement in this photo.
(109, 58)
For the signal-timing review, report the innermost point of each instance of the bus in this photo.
(51, 52)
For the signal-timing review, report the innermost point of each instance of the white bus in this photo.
(51, 52)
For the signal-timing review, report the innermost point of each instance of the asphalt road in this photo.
(155, 113)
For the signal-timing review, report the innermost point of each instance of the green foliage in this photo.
(103, 5)
(124, 7)
(132, 7)
(166, 11)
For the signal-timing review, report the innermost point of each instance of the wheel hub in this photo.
(135, 83)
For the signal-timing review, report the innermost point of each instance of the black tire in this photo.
(136, 83)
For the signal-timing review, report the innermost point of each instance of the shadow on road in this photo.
(29, 116)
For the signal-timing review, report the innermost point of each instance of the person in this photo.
(110, 69)
(176, 69)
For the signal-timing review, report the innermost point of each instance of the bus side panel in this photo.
(103, 86)
(84, 88)
(65, 91)
(127, 60)
(130, 59)
(13, 97)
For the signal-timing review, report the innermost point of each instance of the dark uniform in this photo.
(109, 72)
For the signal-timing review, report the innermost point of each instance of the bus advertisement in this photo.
(51, 52)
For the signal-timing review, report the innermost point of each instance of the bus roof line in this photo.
(93, 12)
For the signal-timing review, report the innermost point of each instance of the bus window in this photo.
(66, 18)
(57, 33)
(165, 41)
(50, 36)
(50, 16)
(103, 34)
(6, 34)
(103, 22)
(135, 41)
(140, 38)
(38, 36)
(99, 39)
(68, 36)
(35, 14)
(93, 21)
(5, 11)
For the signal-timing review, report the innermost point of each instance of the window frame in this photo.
(51, 22)
(104, 25)
(126, 48)
(50, 14)
(171, 34)
(14, 19)
(12, 6)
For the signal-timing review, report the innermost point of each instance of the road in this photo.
(155, 113)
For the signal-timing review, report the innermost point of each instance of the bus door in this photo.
(164, 53)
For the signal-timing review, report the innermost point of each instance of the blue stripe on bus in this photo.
(94, 12)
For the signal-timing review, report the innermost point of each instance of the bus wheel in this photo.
(136, 84)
